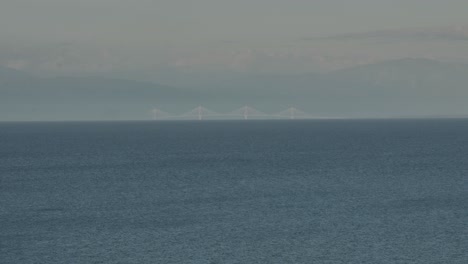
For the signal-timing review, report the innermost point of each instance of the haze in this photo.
(225, 54)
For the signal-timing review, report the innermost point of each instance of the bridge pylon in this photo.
(158, 114)
(247, 112)
(199, 113)
(292, 113)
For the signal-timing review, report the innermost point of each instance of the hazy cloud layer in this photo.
(452, 33)
(145, 39)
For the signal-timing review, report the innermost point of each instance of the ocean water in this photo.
(330, 191)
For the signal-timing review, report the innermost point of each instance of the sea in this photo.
(253, 191)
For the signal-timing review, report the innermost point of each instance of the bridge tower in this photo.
(158, 114)
(247, 112)
(292, 113)
(199, 113)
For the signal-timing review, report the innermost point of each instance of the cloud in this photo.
(268, 60)
(454, 33)
(319, 54)
(62, 58)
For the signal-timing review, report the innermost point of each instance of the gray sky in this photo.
(247, 35)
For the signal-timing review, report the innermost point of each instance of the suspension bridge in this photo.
(245, 113)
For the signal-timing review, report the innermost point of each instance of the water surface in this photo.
(356, 191)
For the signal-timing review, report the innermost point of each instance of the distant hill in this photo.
(408, 76)
(406, 87)
(398, 87)
(398, 76)
(23, 88)
(25, 97)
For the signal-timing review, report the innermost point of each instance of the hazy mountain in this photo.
(419, 86)
(399, 87)
(25, 97)
(408, 75)
(392, 88)
(14, 78)
(396, 76)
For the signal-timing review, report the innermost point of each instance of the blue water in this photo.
(368, 191)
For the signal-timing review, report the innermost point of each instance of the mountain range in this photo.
(405, 87)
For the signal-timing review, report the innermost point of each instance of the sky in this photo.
(142, 37)
(220, 45)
